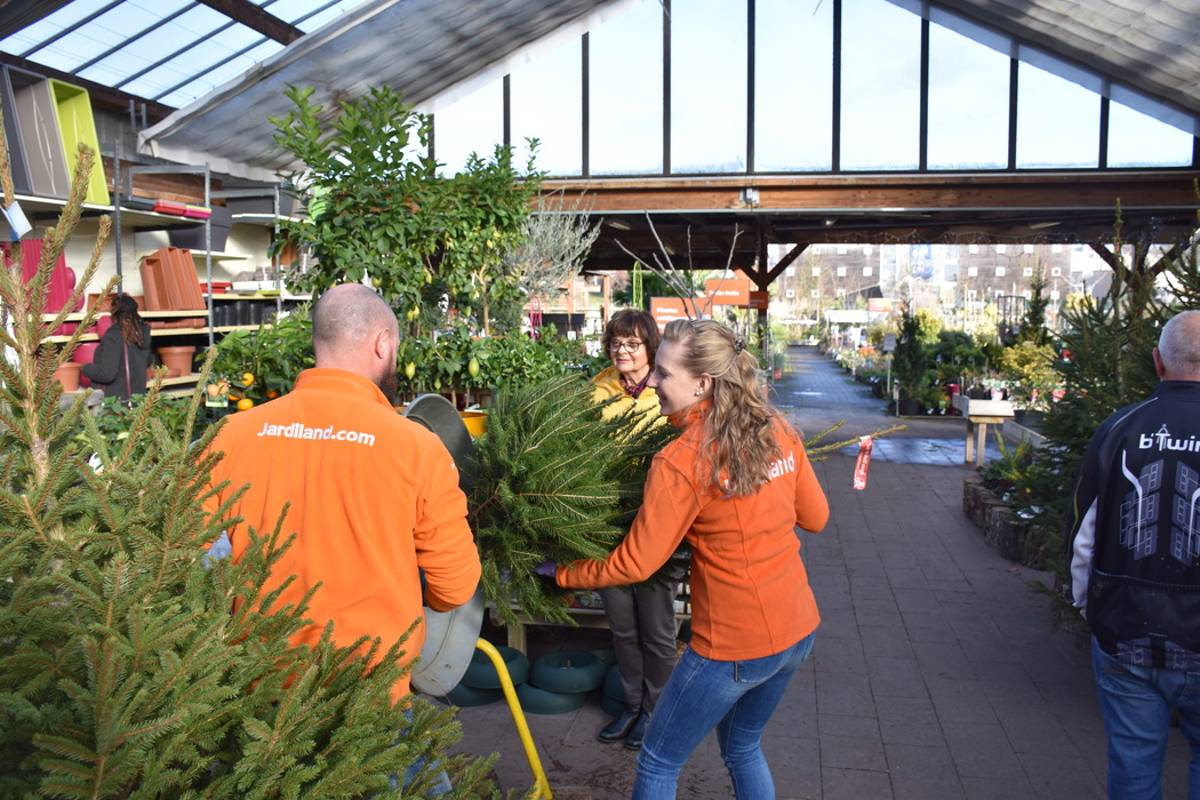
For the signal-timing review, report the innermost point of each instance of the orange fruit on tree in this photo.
(245, 404)
(247, 379)
(272, 394)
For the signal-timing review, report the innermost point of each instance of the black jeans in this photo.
(642, 620)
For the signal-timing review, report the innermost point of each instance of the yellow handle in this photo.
(541, 786)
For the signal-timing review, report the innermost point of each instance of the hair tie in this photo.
(738, 345)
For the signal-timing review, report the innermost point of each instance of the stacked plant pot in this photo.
(559, 682)
(169, 283)
(481, 683)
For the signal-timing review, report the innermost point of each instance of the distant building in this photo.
(959, 280)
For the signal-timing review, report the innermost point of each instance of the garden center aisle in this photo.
(938, 670)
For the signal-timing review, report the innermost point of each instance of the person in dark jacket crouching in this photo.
(1135, 567)
(119, 367)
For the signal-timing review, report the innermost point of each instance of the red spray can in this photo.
(862, 464)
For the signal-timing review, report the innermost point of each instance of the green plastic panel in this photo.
(73, 107)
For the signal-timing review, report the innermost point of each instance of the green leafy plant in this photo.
(116, 418)
(910, 362)
(958, 357)
(272, 356)
(381, 210)
(1029, 367)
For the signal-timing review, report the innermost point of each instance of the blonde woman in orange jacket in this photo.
(735, 484)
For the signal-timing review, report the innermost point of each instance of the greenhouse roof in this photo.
(1151, 45)
(224, 63)
(170, 52)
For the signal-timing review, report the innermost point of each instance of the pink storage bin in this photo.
(62, 278)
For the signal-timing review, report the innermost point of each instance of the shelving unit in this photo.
(259, 219)
(271, 220)
(300, 298)
(123, 185)
(127, 222)
(179, 314)
(160, 333)
(36, 207)
(214, 255)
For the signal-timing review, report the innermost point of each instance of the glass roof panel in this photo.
(291, 10)
(51, 25)
(106, 31)
(141, 51)
(195, 61)
(326, 16)
(213, 78)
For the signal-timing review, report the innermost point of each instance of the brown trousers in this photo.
(642, 620)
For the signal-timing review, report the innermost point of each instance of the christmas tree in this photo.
(1106, 344)
(555, 483)
(130, 668)
(1033, 323)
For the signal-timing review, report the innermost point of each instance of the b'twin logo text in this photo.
(1161, 440)
(298, 430)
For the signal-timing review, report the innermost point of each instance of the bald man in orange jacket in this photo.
(374, 497)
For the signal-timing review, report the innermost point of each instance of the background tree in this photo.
(1105, 364)
(378, 208)
(910, 360)
(1033, 323)
(551, 253)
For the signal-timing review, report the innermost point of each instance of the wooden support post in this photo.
(980, 443)
(762, 280)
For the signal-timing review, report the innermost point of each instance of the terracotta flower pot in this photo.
(178, 358)
(68, 376)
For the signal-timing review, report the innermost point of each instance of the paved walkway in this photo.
(938, 670)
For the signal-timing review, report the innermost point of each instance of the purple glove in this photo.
(546, 568)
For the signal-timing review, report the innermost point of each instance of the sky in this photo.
(1058, 120)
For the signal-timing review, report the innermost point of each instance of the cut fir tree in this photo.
(558, 483)
(128, 667)
(555, 483)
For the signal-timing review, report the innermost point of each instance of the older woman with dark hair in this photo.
(642, 617)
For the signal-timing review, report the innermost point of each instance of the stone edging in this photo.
(1002, 528)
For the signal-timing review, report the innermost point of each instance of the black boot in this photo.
(634, 740)
(619, 727)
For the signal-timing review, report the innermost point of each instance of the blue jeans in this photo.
(1136, 703)
(735, 697)
(441, 782)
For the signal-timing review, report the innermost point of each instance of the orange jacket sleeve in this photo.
(668, 510)
(445, 546)
(812, 509)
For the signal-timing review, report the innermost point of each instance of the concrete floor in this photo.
(939, 671)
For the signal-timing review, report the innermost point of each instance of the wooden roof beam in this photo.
(16, 15)
(101, 95)
(881, 194)
(256, 19)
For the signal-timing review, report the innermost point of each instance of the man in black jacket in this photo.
(1135, 566)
